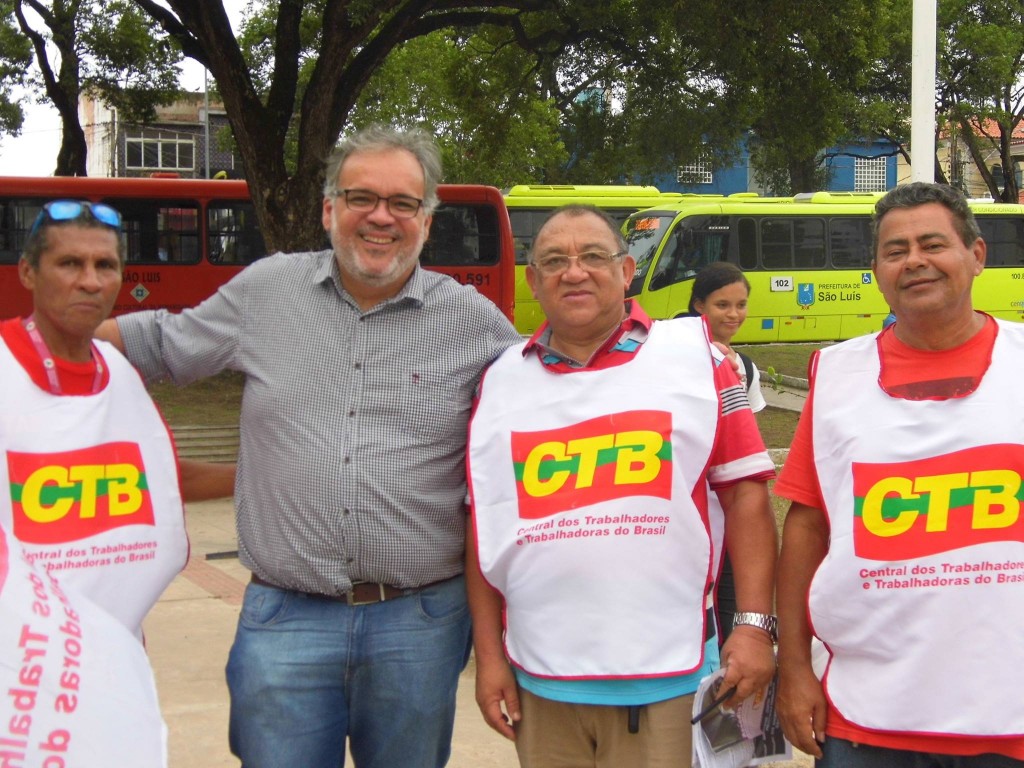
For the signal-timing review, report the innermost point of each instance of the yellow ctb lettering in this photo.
(871, 511)
(995, 501)
(1005, 498)
(124, 496)
(32, 495)
(532, 482)
(588, 449)
(637, 461)
(939, 489)
(88, 476)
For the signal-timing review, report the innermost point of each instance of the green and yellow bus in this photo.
(528, 206)
(808, 260)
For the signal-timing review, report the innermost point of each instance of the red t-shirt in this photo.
(916, 375)
(738, 435)
(74, 378)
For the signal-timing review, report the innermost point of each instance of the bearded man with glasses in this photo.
(360, 370)
(88, 466)
(591, 452)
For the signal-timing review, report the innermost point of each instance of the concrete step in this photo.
(213, 442)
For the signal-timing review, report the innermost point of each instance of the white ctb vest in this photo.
(920, 597)
(583, 492)
(89, 485)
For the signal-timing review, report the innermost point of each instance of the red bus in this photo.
(186, 237)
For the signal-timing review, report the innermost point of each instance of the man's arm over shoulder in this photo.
(185, 346)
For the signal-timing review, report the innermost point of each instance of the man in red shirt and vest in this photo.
(589, 574)
(91, 485)
(903, 550)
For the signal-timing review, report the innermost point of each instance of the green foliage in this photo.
(131, 65)
(469, 93)
(15, 57)
(106, 48)
(981, 72)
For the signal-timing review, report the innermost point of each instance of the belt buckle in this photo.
(350, 596)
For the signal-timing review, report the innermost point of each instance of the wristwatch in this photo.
(765, 621)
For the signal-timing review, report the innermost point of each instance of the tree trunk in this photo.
(71, 159)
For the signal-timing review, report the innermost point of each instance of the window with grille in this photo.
(161, 153)
(869, 174)
(698, 172)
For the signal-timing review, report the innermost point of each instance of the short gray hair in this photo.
(574, 211)
(379, 137)
(921, 193)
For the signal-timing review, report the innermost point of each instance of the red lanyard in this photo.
(50, 365)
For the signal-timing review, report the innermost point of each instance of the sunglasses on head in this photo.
(72, 210)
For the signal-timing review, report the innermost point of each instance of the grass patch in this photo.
(786, 359)
(213, 401)
(777, 426)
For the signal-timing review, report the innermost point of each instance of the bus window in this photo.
(525, 222)
(16, 219)
(810, 244)
(643, 236)
(159, 231)
(462, 236)
(233, 236)
(788, 243)
(747, 236)
(850, 243)
(1004, 239)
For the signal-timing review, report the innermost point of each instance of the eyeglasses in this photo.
(591, 261)
(72, 210)
(400, 206)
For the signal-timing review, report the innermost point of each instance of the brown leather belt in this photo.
(362, 592)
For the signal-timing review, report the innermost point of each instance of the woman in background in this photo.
(720, 293)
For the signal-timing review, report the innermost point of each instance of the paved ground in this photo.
(189, 632)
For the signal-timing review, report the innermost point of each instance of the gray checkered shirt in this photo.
(353, 428)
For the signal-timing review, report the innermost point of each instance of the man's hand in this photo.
(497, 696)
(733, 357)
(801, 705)
(749, 660)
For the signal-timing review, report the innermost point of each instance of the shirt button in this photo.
(347, 460)
(359, 366)
(351, 413)
(346, 512)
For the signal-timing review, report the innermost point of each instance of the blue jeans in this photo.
(839, 753)
(305, 673)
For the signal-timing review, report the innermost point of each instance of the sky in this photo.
(34, 152)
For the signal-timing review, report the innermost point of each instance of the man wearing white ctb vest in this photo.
(903, 550)
(589, 573)
(87, 466)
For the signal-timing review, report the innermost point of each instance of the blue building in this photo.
(868, 166)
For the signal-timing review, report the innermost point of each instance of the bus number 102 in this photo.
(782, 283)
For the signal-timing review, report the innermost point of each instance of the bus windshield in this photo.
(644, 233)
